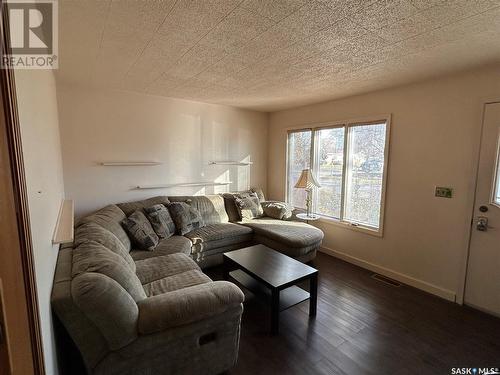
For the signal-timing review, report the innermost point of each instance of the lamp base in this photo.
(308, 202)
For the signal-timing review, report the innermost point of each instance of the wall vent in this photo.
(385, 280)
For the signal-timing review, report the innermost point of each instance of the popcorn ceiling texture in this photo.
(271, 54)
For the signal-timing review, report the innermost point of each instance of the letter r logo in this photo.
(31, 27)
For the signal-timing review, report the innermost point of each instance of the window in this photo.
(330, 166)
(299, 158)
(349, 162)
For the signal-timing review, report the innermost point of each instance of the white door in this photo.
(482, 289)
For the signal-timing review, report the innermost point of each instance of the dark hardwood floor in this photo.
(364, 326)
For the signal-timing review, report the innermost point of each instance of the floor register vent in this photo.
(385, 280)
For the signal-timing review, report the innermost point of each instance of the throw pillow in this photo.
(277, 210)
(230, 204)
(249, 207)
(259, 193)
(186, 218)
(140, 231)
(160, 220)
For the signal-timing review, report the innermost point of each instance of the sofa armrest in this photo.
(187, 305)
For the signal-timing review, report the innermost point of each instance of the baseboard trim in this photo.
(483, 310)
(405, 279)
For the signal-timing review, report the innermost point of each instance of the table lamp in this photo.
(308, 182)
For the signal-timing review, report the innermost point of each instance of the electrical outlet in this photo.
(444, 192)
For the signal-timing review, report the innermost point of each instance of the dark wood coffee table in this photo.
(268, 273)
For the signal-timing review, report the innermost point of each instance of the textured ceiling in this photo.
(271, 54)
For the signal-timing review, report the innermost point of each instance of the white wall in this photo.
(37, 105)
(435, 136)
(99, 125)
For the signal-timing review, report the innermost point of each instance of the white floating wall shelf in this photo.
(65, 223)
(229, 162)
(129, 163)
(189, 184)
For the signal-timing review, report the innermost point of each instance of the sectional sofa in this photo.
(155, 312)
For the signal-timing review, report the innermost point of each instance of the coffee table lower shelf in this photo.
(289, 297)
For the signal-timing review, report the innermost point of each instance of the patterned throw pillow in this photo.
(259, 193)
(160, 220)
(186, 218)
(140, 231)
(277, 210)
(249, 207)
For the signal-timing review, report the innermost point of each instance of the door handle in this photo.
(482, 223)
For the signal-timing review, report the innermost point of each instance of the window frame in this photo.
(346, 124)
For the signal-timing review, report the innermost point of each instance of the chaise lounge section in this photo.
(295, 239)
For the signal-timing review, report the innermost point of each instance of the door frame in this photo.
(460, 296)
(10, 120)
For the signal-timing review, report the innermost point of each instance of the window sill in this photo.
(353, 227)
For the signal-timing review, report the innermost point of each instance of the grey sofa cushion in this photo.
(108, 306)
(211, 207)
(172, 245)
(249, 207)
(174, 282)
(289, 233)
(218, 235)
(130, 207)
(152, 269)
(160, 220)
(92, 257)
(94, 232)
(186, 218)
(109, 218)
(140, 231)
(84, 333)
(302, 253)
(214, 257)
(277, 210)
(177, 351)
(187, 305)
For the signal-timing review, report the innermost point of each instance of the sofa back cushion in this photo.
(109, 218)
(108, 306)
(94, 232)
(92, 257)
(89, 339)
(211, 207)
(130, 207)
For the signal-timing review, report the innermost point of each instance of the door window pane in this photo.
(496, 191)
(365, 170)
(299, 158)
(329, 167)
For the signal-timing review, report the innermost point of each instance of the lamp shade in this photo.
(307, 180)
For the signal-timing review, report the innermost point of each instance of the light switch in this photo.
(444, 192)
